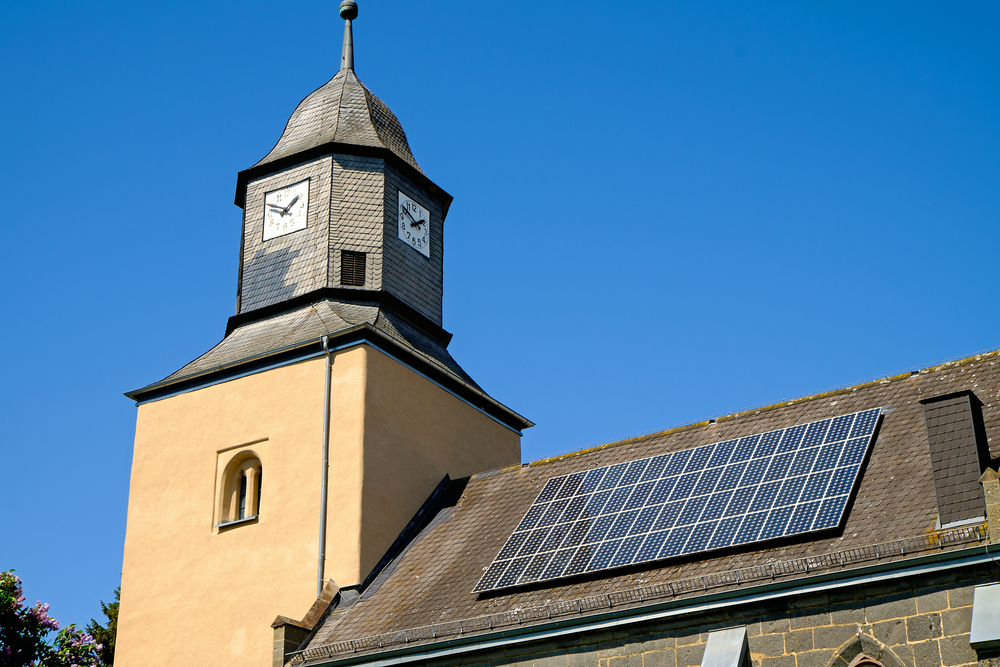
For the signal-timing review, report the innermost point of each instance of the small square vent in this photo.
(352, 268)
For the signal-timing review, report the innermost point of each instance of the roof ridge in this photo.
(765, 407)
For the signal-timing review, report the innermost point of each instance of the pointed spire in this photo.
(348, 12)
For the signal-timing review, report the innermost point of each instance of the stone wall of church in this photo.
(903, 623)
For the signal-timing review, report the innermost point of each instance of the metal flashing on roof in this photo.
(762, 487)
(726, 648)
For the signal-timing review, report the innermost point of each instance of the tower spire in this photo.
(348, 12)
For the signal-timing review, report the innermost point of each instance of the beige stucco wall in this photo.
(192, 594)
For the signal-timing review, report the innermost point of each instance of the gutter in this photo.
(914, 567)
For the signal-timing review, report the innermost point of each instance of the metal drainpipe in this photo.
(326, 467)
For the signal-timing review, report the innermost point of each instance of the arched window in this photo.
(242, 487)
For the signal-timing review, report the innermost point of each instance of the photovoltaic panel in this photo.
(761, 487)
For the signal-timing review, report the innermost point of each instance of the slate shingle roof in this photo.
(342, 111)
(427, 590)
(309, 323)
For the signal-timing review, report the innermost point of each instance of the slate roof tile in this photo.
(430, 584)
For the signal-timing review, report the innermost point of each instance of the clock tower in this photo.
(298, 448)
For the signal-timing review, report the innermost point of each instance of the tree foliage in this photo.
(104, 635)
(24, 632)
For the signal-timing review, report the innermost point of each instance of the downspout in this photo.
(326, 466)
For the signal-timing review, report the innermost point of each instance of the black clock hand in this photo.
(417, 223)
(291, 203)
(407, 212)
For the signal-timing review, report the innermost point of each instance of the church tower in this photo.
(298, 448)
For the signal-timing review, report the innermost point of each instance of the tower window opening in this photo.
(352, 268)
(241, 499)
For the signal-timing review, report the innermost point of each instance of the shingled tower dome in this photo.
(343, 111)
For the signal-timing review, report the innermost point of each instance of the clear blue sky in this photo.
(663, 212)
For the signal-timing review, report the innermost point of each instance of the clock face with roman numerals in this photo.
(414, 225)
(285, 209)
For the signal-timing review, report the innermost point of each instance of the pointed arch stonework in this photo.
(864, 651)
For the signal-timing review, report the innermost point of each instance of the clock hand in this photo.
(407, 212)
(417, 223)
(292, 203)
(283, 210)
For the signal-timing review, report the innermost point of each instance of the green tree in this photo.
(24, 632)
(105, 634)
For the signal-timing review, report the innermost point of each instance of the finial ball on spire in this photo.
(348, 10)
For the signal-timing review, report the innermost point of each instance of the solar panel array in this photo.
(765, 486)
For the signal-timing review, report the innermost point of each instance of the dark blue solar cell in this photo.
(765, 496)
(569, 487)
(655, 468)
(865, 423)
(692, 510)
(611, 478)
(839, 428)
(513, 545)
(492, 575)
(744, 448)
(777, 519)
(779, 466)
(513, 571)
(706, 482)
(741, 501)
(623, 522)
(634, 472)
(577, 533)
(700, 535)
(604, 555)
(639, 495)
(830, 512)
(790, 490)
(574, 508)
(828, 455)
(716, 505)
(550, 489)
(555, 537)
(617, 500)
(599, 529)
(804, 459)
(815, 433)
(791, 438)
(627, 550)
(843, 480)
(684, 486)
(531, 518)
(535, 568)
(854, 451)
(725, 533)
(669, 515)
(645, 519)
(802, 518)
(650, 546)
(815, 486)
(730, 476)
(591, 481)
(535, 539)
(699, 457)
(768, 443)
(558, 563)
(720, 456)
(750, 528)
(677, 462)
(580, 559)
(661, 491)
(553, 512)
(595, 506)
(754, 472)
(674, 543)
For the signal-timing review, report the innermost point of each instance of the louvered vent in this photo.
(352, 268)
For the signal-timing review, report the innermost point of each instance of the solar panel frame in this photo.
(760, 487)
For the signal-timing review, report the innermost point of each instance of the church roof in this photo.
(342, 111)
(425, 595)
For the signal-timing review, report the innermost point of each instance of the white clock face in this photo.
(414, 225)
(285, 210)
